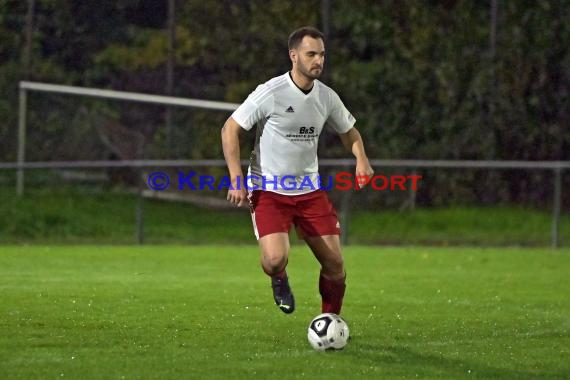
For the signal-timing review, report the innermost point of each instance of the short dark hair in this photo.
(297, 36)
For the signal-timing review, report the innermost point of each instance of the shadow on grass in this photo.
(433, 365)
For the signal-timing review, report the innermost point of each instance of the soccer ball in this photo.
(328, 331)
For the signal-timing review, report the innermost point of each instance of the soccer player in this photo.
(289, 112)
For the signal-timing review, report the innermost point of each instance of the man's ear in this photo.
(293, 55)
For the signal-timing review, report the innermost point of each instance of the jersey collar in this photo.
(305, 92)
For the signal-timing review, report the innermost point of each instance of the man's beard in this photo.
(309, 73)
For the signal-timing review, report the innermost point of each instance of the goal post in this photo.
(25, 87)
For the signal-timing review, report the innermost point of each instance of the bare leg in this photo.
(274, 253)
(274, 256)
(332, 285)
(327, 251)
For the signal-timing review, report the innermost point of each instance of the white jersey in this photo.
(289, 123)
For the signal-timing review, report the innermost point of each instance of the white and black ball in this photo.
(328, 331)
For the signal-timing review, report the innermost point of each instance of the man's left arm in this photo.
(352, 140)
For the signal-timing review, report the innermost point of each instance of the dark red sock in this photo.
(332, 293)
(281, 274)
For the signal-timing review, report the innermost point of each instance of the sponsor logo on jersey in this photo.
(306, 130)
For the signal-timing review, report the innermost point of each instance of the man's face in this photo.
(309, 57)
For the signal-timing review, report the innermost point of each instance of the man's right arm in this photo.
(230, 145)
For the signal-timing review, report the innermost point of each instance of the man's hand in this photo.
(364, 172)
(237, 194)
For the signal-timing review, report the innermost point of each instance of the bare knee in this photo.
(273, 264)
(333, 268)
(274, 252)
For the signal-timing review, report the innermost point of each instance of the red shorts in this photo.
(313, 214)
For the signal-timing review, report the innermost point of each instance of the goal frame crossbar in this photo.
(26, 86)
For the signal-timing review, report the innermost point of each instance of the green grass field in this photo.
(171, 312)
